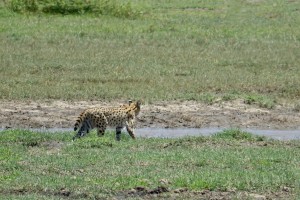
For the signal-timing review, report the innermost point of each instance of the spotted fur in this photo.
(103, 117)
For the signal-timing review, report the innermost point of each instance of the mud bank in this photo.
(174, 114)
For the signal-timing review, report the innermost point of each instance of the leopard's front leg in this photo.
(130, 128)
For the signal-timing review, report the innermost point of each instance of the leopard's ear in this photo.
(129, 101)
(139, 102)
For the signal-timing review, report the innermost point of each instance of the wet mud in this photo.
(174, 114)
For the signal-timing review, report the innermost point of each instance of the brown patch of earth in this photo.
(163, 192)
(173, 114)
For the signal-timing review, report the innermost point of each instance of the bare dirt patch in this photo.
(162, 192)
(189, 114)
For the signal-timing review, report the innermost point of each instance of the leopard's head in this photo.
(134, 106)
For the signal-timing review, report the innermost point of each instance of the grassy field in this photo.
(51, 166)
(191, 50)
(158, 50)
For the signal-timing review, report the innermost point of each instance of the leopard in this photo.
(103, 117)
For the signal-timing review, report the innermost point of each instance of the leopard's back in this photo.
(119, 116)
(90, 115)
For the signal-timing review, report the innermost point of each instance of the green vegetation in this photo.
(156, 50)
(262, 101)
(236, 134)
(48, 165)
(190, 50)
(102, 7)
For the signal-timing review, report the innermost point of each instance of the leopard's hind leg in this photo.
(85, 128)
(118, 133)
(101, 124)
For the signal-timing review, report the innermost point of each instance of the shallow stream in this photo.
(181, 132)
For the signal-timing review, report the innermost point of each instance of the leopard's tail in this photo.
(79, 121)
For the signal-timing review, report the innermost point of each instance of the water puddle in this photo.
(175, 132)
(182, 132)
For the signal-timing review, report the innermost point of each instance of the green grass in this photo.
(77, 7)
(43, 165)
(190, 50)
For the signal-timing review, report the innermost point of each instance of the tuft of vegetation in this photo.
(261, 101)
(207, 98)
(65, 7)
(296, 107)
(237, 134)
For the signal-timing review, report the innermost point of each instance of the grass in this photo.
(183, 50)
(190, 50)
(67, 7)
(262, 101)
(49, 166)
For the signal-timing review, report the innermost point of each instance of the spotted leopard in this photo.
(103, 117)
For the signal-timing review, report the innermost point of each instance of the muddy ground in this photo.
(190, 114)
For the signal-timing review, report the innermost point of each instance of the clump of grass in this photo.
(296, 107)
(28, 137)
(208, 98)
(261, 101)
(238, 134)
(103, 7)
(231, 96)
(95, 142)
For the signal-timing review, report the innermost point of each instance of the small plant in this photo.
(296, 107)
(230, 96)
(208, 98)
(237, 134)
(94, 142)
(261, 101)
